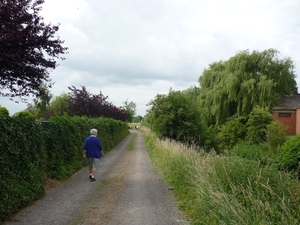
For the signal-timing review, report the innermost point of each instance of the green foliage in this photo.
(42, 101)
(257, 124)
(24, 114)
(64, 137)
(137, 119)
(130, 109)
(266, 194)
(193, 92)
(32, 151)
(59, 105)
(63, 141)
(233, 131)
(22, 160)
(211, 139)
(145, 121)
(175, 116)
(245, 80)
(259, 153)
(4, 112)
(290, 154)
(212, 189)
(276, 135)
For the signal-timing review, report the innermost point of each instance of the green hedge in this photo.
(21, 161)
(33, 151)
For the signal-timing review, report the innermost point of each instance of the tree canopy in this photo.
(130, 109)
(247, 79)
(176, 117)
(28, 48)
(59, 104)
(83, 103)
(39, 107)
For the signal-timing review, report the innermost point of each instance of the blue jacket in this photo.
(93, 146)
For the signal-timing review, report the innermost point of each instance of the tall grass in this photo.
(213, 189)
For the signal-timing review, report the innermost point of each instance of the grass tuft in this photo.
(131, 144)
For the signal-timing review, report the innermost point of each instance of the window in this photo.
(284, 114)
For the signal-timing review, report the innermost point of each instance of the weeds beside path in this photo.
(126, 192)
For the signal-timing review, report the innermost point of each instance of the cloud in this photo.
(131, 49)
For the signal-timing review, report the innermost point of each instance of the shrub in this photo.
(233, 131)
(24, 114)
(257, 124)
(290, 154)
(4, 112)
(275, 135)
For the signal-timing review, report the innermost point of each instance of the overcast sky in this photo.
(135, 49)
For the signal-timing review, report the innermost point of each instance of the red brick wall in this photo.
(287, 121)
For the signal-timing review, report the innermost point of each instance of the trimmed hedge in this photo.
(21, 161)
(33, 151)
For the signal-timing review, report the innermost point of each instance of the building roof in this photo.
(291, 102)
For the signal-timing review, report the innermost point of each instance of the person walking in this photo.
(93, 151)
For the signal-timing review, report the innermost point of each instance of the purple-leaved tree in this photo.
(28, 48)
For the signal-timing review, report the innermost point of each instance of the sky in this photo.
(132, 50)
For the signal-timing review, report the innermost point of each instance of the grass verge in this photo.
(131, 144)
(213, 189)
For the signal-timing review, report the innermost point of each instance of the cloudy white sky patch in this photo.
(133, 49)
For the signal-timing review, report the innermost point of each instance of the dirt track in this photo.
(127, 191)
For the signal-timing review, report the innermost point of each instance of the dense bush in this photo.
(24, 114)
(290, 154)
(275, 135)
(257, 123)
(233, 131)
(175, 116)
(4, 112)
(22, 160)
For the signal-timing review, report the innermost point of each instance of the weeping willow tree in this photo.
(235, 86)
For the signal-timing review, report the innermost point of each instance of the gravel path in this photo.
(127, 191)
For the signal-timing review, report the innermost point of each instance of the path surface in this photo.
(127, 191)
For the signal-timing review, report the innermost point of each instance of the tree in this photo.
(193, 92)
(83, 103)
(60, 104)
(245, 80)
(79, 102)
(137, 119)
(41, 102)
(130, 109)
(176, 117)
(28, 48)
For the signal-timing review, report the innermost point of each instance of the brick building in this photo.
(288, 113)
